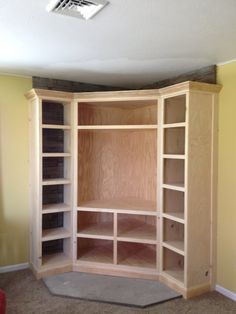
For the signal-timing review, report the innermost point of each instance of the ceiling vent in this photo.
(84, 9)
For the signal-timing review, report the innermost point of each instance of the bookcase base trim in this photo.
(54, 270)
(102, 270)
(197, 290)
(187, 293)
(119, 272)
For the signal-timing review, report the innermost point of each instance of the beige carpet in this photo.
(26, 295)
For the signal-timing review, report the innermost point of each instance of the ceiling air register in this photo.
(77, 8)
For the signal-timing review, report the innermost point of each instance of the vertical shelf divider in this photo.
(74, 179)
(177, 112)
(115, 246)
(39, 168)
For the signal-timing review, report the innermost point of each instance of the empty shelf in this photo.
(173, 156)
(56, 181)
(129, 229)
(176, 216)
(54, 234)
(100, 230)
(123, 204)
(56, 126)
(176, 273)
(174, 186)
(52, 260)
(56, 155)
(176, 246)
(136, 255)
(55, 208)
(99, 254)
(174, 125)
(117, 127)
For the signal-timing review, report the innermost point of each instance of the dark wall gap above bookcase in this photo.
(52, 247)
(53, 167)
(53, 194)
(53, 141)
(52, 113)
(54, 220)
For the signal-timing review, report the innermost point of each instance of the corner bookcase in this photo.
(124, 184)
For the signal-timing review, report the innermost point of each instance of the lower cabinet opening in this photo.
(94, 250)
(136, 254)
(173, 264)
(56, 251)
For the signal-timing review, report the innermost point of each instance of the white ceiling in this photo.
(129, 43)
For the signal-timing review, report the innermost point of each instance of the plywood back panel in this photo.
(172, 260)
(118, 112)
(173, 231)
(174, 141)
(137, 219)
(173, 201)
(85, 219)
(173, 171)
(117, 164)
(174, 109)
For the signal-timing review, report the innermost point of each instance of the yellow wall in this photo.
(227, 178)
(14, 212)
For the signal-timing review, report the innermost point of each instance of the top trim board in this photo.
(123, 95)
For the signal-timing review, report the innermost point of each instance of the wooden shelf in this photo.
(175, 125)
(131, 230)
(52, 260)
(56, 126)
(137, 255)
(176, 246)
(117, 127)
(56, 155)
(98, 231)
(100, 254)
(120, 205)
(56, 181)
(54, 234)
(176, 273)
(176, 216)
(173, 156)
(55, 208)
(174, 186)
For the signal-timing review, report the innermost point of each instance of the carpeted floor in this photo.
(26, 295)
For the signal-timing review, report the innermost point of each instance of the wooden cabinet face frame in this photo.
(112, 183)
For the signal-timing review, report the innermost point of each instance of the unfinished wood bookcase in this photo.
(124, 183)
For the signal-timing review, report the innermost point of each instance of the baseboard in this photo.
(227, 293)
(10, 268)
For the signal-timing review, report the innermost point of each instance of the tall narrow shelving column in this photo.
(51, 189)
(188, 157)
(56, 183)
(173, 160)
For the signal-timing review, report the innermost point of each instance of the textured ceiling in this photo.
(130, 43)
